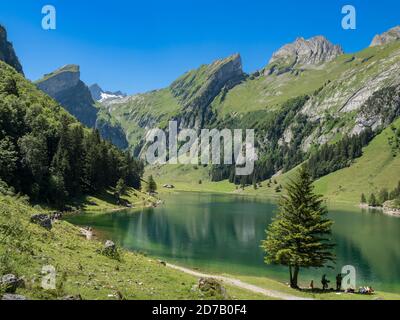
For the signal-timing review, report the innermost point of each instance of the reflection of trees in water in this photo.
(212, 230)
(218, 228)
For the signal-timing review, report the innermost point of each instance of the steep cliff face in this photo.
(7, 53)
(188, 100)
(386, 37)
(303, 53)
(198, 88)
(65, 86)
(95, 91)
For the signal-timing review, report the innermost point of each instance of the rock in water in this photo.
(42, 220)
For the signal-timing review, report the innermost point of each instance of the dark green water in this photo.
(222, 233)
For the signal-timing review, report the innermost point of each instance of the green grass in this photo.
(155, 108)
(345, 75)
(82, 269)
(376, 169)
(106, 201)
(25, 248)
(317, 294)
(67, 68)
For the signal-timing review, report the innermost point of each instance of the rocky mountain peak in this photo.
(304, 52)
(60, 80)
(196, 89)
(66, 87)
(98, 94)
(7, 53)
(386, 37)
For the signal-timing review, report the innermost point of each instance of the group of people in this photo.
(339, 278)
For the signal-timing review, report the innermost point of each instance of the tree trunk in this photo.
(294, 277)
(294, 282)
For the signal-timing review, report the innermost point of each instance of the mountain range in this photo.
(308, 95)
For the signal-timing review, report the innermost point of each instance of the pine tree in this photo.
(120, 188)
(299, 235)
(151, 185)
(363, 199)
(372, 200)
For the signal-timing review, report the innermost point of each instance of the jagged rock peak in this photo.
(307, 52)
(386, 37)
(59, 80)
(7, 53)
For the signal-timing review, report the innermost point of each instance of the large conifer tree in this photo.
(299, 237)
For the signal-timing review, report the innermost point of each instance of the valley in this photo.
(78, 151)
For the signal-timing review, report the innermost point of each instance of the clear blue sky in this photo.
(136, 46)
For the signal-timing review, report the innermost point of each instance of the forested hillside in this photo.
(47, 154)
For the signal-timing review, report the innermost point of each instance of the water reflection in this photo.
(223, 233)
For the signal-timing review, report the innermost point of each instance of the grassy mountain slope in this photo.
(376, 169)
(347, 73)
(135, 114)
(25, 248)
(186, 100)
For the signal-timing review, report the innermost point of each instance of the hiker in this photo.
(312, 285)
(339, 280)
(324, 282)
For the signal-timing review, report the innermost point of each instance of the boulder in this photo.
(109, 247)
(42, 220)
(13, 297)
(10, 283)
(212, 287)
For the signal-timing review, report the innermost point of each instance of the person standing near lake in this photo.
(339, 280)
(324, 282)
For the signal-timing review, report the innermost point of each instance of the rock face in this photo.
(386, 37)
(112, 132)
(7, 53)
(198, 88)
(98, 94)
(305, 53)
(95, 91)
(65, 86)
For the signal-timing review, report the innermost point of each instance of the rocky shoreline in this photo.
(385, 209)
